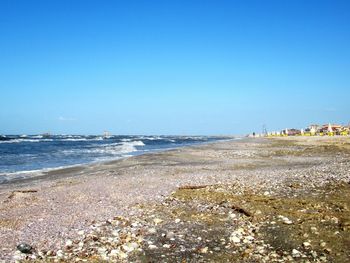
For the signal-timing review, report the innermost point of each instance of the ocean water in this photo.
(23, 156)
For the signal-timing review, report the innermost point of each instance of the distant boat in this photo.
(106, 135)
(46, 135)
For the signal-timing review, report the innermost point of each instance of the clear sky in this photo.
(172, 67)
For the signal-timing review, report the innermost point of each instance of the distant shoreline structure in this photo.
(312, 130)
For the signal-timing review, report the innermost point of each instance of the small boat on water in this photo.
(106, 135)
(46, 135)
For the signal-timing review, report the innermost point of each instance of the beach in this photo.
(252, 200)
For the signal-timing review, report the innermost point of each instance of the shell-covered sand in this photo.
(240, 200)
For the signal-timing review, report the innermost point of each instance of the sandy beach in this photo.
(250, 200)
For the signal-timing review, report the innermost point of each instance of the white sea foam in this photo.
(118, 148)
(153, 138)
(37, 139)
(74, 139)
(137, 143)
(8, 176)
(26, 140)
(37, 136)
(77, 139)
(21, 174)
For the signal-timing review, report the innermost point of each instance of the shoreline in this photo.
(67, 171)
(58, 208)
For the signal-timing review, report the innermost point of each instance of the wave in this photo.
(9, 176)
(39, 139)
(73, 140)
(153, 138)
(137, 143)
(118, 148)
(26, 140)
(78, 139)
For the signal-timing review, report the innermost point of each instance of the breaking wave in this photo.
(26, 140)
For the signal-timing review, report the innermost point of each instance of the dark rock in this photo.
(25, 248)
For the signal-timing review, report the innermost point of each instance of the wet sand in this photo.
(48, 210)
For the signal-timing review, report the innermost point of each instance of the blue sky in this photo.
(172, 67)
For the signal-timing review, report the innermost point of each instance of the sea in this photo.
(23, 156)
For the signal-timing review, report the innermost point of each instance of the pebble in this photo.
(313, 229)
(157, 221)
(17, 256)
(114, 252)
(59, 253)
(115, 233)
(306, 244)
(152, 247)
(204, 250)
(295, 253)
(128, 248)
(25, 248)
(290, 258)
(170, 235)
(285, 220)
(102, 250)
(235, 239)
(314, 254)
(250, 238)
(122, 255)
(152, 230)
(68, 244)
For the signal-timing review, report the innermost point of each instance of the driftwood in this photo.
(193, 187)
(21, 191)
(241, 210)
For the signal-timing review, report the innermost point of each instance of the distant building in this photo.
(291, 132)
(330, 128)
(313, 129)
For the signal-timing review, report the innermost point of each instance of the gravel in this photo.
(111, 212)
